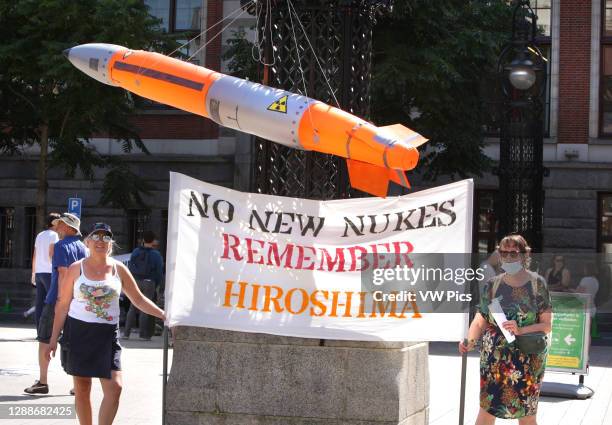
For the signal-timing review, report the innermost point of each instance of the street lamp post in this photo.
(522, 71)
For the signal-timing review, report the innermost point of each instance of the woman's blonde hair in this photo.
(521, 243)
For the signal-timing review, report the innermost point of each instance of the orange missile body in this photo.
(374, 155)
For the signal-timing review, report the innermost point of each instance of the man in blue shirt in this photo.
(146, 265)
(65, 252)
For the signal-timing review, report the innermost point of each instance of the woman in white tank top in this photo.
(87, 310)
(96, 301)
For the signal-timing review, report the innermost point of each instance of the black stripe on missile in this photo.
(158, 75)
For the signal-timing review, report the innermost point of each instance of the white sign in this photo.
(287, 266)
(500, 318)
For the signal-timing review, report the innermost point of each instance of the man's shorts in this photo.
(45, 324)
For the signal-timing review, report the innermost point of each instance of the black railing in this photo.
(340, 32)
(7, 237)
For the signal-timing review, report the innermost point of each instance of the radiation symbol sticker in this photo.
(279, 105)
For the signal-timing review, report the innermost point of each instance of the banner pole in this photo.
(463, 374)
(165, 375)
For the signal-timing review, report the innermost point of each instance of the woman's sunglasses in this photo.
(509, 254)
(103, 238)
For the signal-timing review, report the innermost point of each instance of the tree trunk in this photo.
(41, 193)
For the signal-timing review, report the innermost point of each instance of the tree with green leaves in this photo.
(240, 55)
(47, 103)
(430, 61)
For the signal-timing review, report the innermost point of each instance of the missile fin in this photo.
(406, 135)
(368, 178)
(399, 177)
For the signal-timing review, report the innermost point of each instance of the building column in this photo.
(574, 71)
(595, 68)
(214, 13)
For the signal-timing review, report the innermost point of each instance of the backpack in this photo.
(139, 264)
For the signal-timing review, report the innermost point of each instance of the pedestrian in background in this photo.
(558, 276)
(589, 284)
(146, 265)
(41, 263)
(88, 311)
(510, 374)
(41, 279)
(604, 278)
(65, 252)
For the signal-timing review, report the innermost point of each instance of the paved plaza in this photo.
(141, 401)
(445, 375)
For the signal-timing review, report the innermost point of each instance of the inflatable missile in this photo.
(374, 155)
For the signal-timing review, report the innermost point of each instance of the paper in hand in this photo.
(500, 317)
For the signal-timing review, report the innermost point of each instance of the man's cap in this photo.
(70, 220)
(101, 227)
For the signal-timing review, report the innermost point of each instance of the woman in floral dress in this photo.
(510, 380)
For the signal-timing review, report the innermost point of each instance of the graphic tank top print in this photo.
(96, 301)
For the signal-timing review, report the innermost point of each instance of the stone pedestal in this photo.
(234, 378)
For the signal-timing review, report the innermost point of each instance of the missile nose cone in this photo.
(66, 53)
(94, 59)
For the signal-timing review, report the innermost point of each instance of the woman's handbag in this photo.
(532, 343)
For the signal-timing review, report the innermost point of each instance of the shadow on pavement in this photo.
(155, 343)
(17, 325)
(18, 340)
(554, 399)
(448, 349)
(22, 397)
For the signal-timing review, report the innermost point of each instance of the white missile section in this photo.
(272, 114)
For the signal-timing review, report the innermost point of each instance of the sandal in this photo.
(37, 388)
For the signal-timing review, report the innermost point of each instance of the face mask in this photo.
(512, 268)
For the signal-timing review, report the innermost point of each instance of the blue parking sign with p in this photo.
(74, 206)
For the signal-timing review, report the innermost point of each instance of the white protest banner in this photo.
(287, 266)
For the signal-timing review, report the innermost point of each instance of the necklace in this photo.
(98, 272)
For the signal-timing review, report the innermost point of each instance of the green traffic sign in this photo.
(569, 346)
